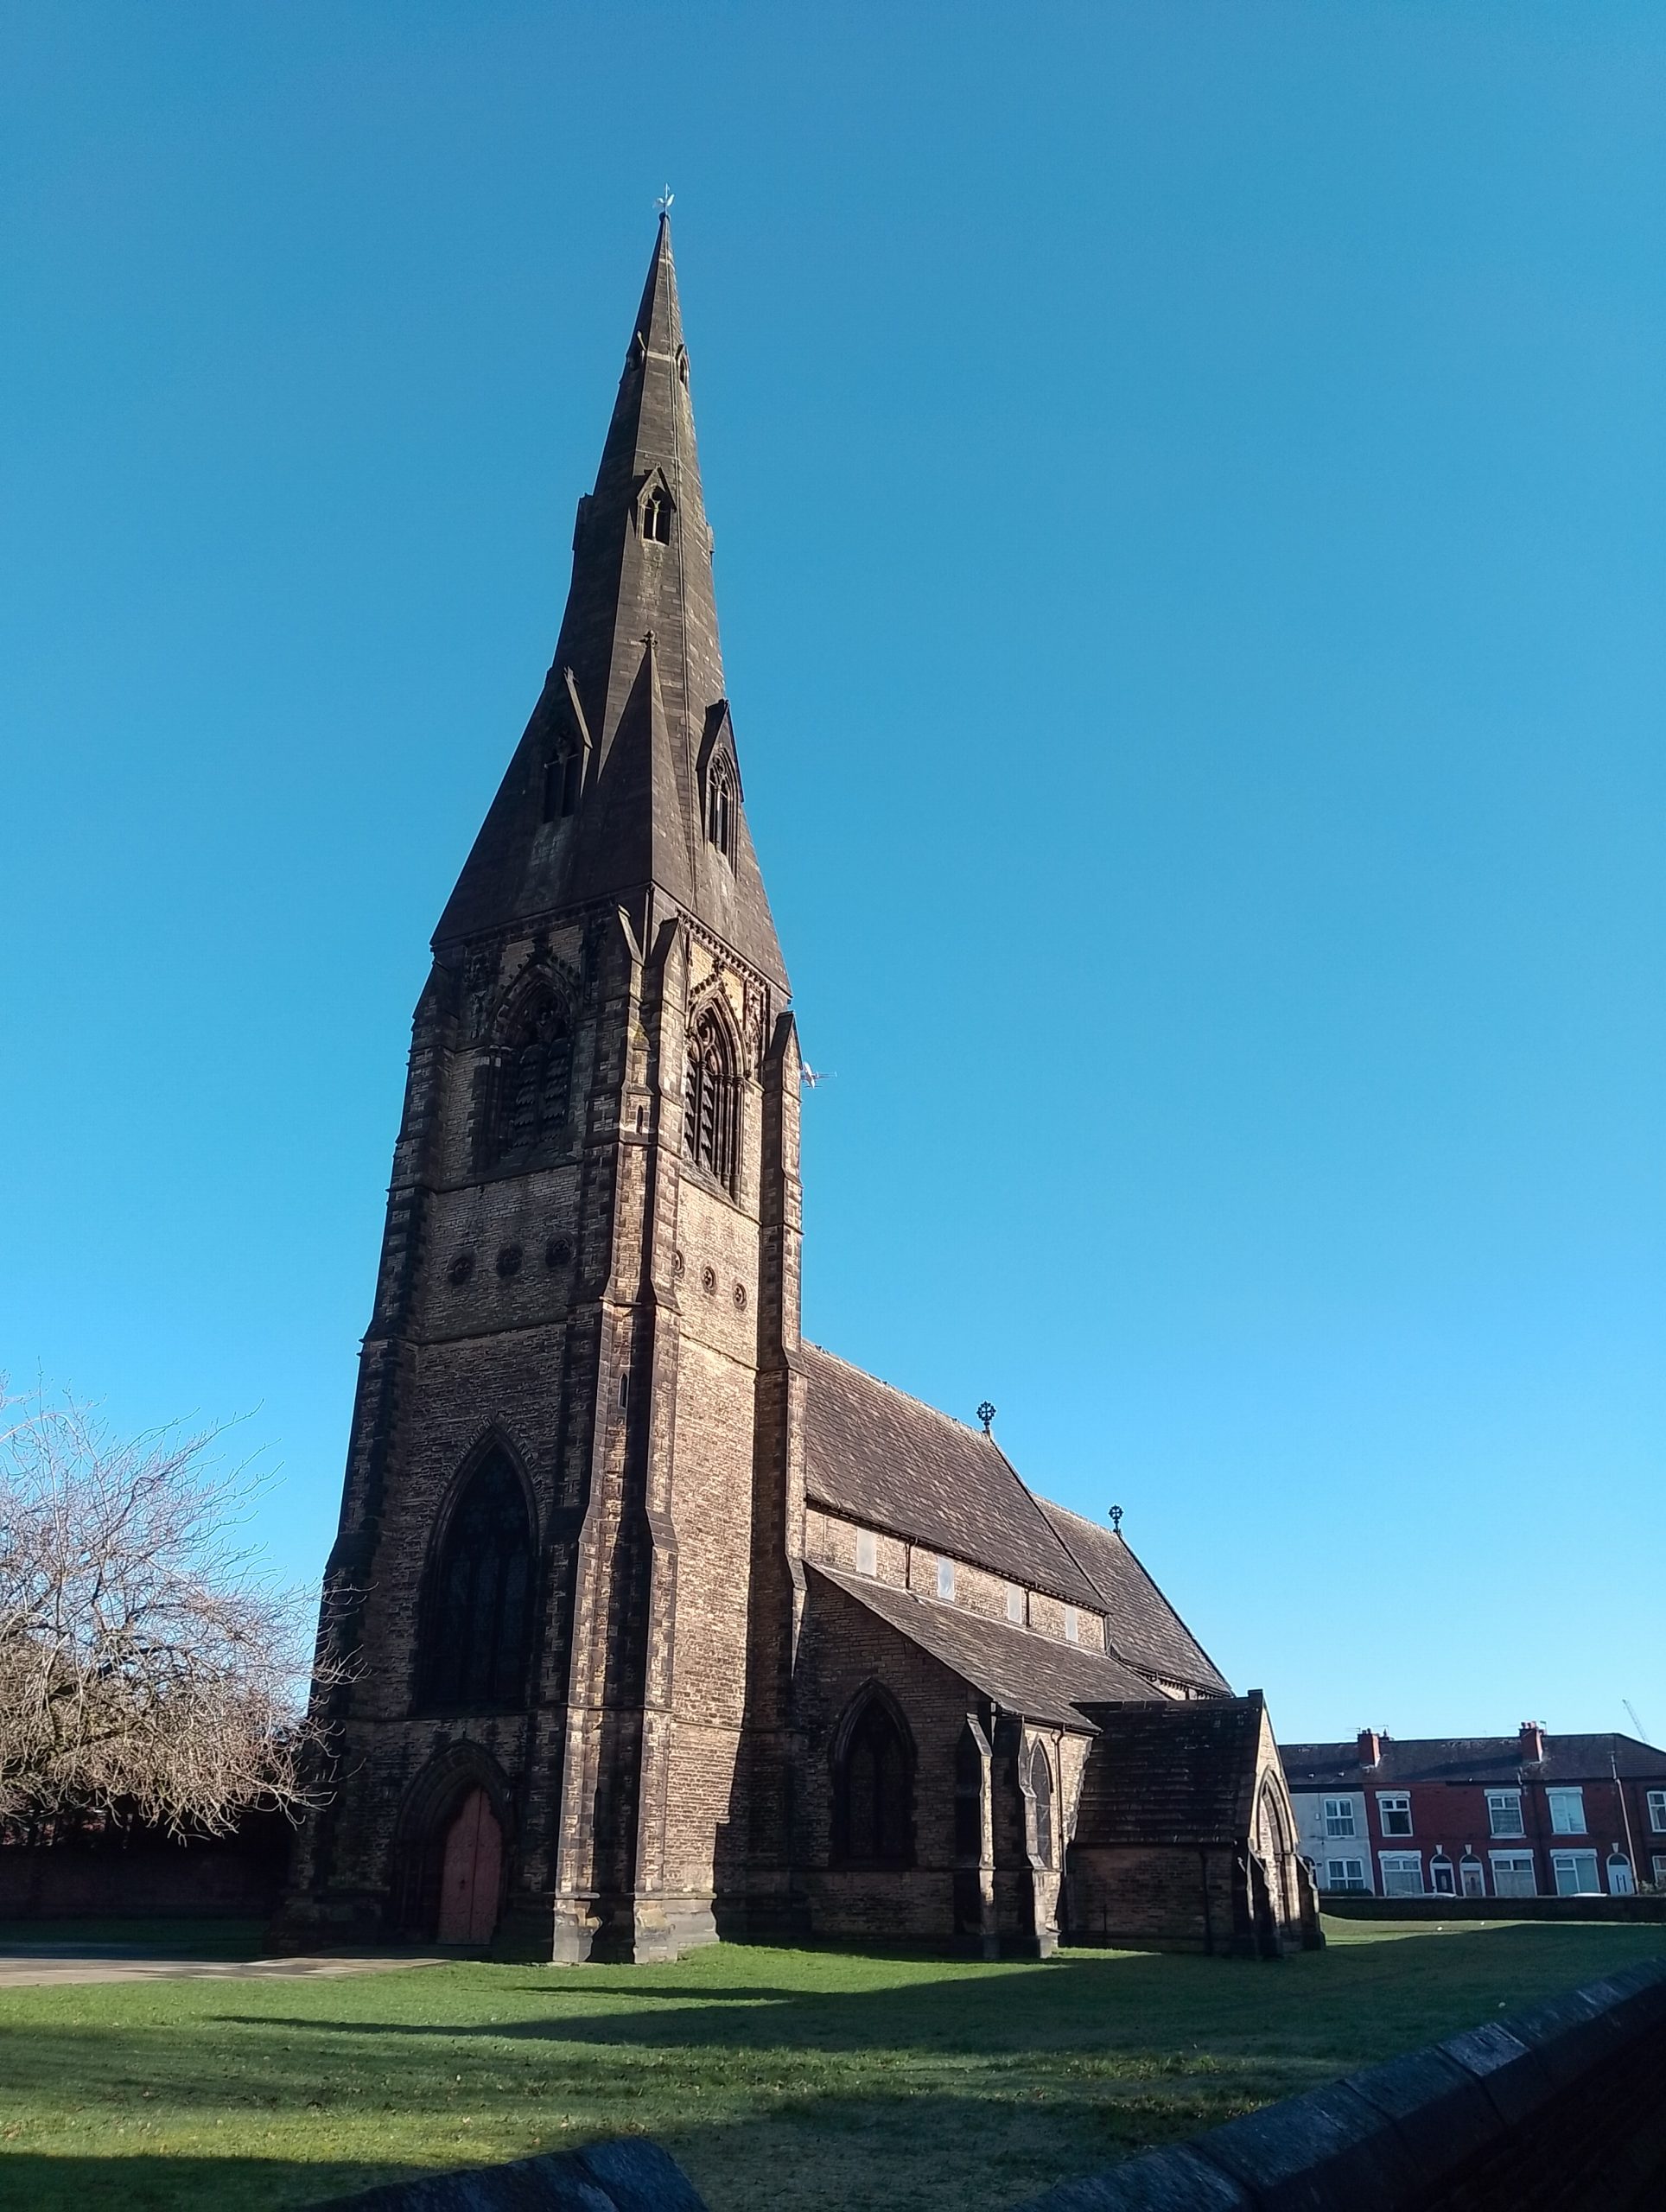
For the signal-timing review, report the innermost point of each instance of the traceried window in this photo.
(720, 806)
(709, 1099)
(1041, 1804)
(478, 1611)
(534, 1075)
(657, 516)
(873, 1820)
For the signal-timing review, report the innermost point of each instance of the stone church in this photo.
(657, 1622)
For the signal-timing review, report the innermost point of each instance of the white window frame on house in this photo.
(1514, 1874)
(867, 1552)
(1570, 1870)
(1393, 1805)
(1402, 1873)
(1567, 1812)
(1622, 1882)
(1347, 1875)
(1014, 1604)
(1471, 1878)
(1660, 1870)
(946, 1580)
(1340, 1819)
(1504, 1813)
(1657, 1811)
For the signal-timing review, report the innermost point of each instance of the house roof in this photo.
(1023, 1672)
(1144, 1628)
(1173, 1771)
(875, 1455)
(1485, 1759)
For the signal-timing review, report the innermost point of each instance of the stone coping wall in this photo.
(1559, 2109)
(1341, 1907)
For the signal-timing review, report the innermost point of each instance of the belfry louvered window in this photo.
(710, 1102)
(479, 1610)
(535, 1076)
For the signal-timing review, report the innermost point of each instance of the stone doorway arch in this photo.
(471, 1873)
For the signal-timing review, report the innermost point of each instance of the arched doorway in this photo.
(471, 1874)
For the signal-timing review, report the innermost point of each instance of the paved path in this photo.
(33, 1966)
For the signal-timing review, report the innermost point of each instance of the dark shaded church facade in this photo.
(649, 1621)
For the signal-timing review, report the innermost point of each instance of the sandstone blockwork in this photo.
(648, 1620)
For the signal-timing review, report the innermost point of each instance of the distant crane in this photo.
(1642, 1731)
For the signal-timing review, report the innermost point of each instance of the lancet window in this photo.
(657, 516)
(719, 807)
(873, 1808)
(561, 783)
(710, 1098)
(1041, 1805)
(478, 1613)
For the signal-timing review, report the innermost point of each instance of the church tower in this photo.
(563, 1598)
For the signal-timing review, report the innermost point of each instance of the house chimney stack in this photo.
(1532, 1741)
(1370, 1747)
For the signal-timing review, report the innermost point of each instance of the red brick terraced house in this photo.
(1525, 1815)
(662, 1621)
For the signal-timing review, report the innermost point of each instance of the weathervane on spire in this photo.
(663, 202)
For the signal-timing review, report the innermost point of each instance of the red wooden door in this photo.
(473, 1872)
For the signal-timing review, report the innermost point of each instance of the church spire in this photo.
(625, 786)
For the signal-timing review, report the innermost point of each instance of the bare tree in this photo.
(146, 1665)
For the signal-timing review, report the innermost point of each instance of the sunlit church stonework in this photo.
(657, 1622)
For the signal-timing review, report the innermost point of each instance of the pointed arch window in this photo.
(710, 1098)
(657, 516)
(478, 1618)
(561, 783)
(535, 1075)
(873, 1792)
(1041, 1804)
(719, 807)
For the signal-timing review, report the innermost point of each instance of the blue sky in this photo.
(1187, 483)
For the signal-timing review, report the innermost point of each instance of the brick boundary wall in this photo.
(1559, 2109)
(1341, 1907)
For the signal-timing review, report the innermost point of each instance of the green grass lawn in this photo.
(811, 2079)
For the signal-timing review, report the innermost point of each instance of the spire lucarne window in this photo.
(719, 807)
(709, 1100)
(657, 516)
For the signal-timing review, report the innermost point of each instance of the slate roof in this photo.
(1023, 1672)
(1485, 1759)
(1144, 1628)
(879, 1457)
(1171, 1771)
